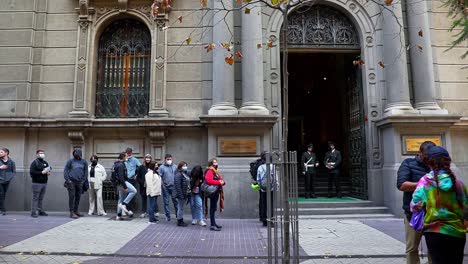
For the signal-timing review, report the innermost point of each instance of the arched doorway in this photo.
(123, 70)
(325, 93)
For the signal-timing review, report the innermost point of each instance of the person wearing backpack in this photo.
(140, 179)
(253, 173)
(39, 172)
(263, 183)
(125, 189)
(196, 202)
(75, 174)
(153, 190)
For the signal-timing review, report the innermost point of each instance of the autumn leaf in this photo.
(226, 46)
(180, 19)
(239, 2)
(388, 2)
(229, 59)
(210, 47)
(259, 46)
(204, 3)
(188, 40)
(274, 2)
(420, 47)
(381, 64)
(358, 62)
(269, 44)
(239, 55)
(247, 10)
(420, 33)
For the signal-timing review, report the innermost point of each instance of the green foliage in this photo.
(458, 10)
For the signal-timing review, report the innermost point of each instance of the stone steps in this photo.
(335, 209)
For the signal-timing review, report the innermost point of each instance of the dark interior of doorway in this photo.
(319, 108)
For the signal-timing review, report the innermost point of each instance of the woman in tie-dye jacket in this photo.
(443, 197)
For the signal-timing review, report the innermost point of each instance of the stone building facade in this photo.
(105, 74)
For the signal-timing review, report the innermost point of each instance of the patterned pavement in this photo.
(96, 240)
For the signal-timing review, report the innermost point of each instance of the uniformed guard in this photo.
(309, 163)
(332, 162)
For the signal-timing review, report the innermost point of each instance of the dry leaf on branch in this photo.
(239, 55)
(358, 62)
(204, 3)
(269, 44)
(229, 59)
(259, 46)
(420, 33)
(247, 10)
(420, 47)
(210, 47)
(180, 19)
(154, 9)
(381, 64)
(388, 2)
(188, 40)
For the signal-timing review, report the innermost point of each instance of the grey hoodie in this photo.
(76, 169)
(167, 173)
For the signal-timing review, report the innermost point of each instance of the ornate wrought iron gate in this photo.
(356, 136)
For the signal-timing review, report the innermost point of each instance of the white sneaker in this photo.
(130, 213)
(117, 218)
(156, 214)
(124, 213)
(194, 222)
(202, 223)
(90, 213)
(103, 214)
(143, 215)
(124, 208)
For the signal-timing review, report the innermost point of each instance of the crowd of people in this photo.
(175, 183)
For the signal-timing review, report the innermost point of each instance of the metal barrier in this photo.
(282, 207)
(110, 196)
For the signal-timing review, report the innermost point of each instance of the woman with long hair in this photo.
(213, 177)
(443, 198)
(196, 199)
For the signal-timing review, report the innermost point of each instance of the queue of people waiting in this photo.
(173, 182)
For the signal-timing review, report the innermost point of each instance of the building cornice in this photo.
(236, 121)
(97, 123)
(418, 120)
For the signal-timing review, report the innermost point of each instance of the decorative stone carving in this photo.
(157, 137)
(77, 138)
(83, 8)
(123, 5)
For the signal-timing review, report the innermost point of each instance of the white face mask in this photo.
(169, 162)
(42, 155)
(184, 168)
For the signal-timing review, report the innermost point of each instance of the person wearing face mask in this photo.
(7, 173)
(153, 189)
(182, 191)
(75, 174)
(167, 172)
(141, 172)
(213, 177)
(96, 175)
(332, 162)
(39, 171)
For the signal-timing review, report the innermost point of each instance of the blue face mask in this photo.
(184, 168)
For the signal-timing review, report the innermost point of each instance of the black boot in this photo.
(180, 222)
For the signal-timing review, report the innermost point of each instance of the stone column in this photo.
(395, 62)
(223, 73)
(422, 65)
(252, 63)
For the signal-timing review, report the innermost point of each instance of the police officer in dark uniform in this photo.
(309, 162)
(332, 162)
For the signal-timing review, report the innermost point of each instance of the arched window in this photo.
(123, 73)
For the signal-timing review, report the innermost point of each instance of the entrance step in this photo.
(336, 208)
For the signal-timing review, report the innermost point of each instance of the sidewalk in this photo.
(58, 239)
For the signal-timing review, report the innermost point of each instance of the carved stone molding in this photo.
(123, 4)
(157, 137)
(77, 138)
(123, 7)
(84, 9)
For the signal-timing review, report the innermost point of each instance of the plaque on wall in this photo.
(411, 144)
(238, 146)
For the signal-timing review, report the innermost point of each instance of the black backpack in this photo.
(114, 176)
(254, 168)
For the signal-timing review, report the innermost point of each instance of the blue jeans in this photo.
(180, 208)
(125, 198)
(167, 193)
(152, 206)
(196, 206)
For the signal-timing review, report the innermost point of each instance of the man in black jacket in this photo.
(409, 173)
(332, 162)
(125, 189)
(75, 174)
(39, 171)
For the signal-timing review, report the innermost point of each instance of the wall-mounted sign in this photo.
(238, 146)
(411, 144)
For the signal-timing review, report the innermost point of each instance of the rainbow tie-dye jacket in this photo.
(444, 212)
